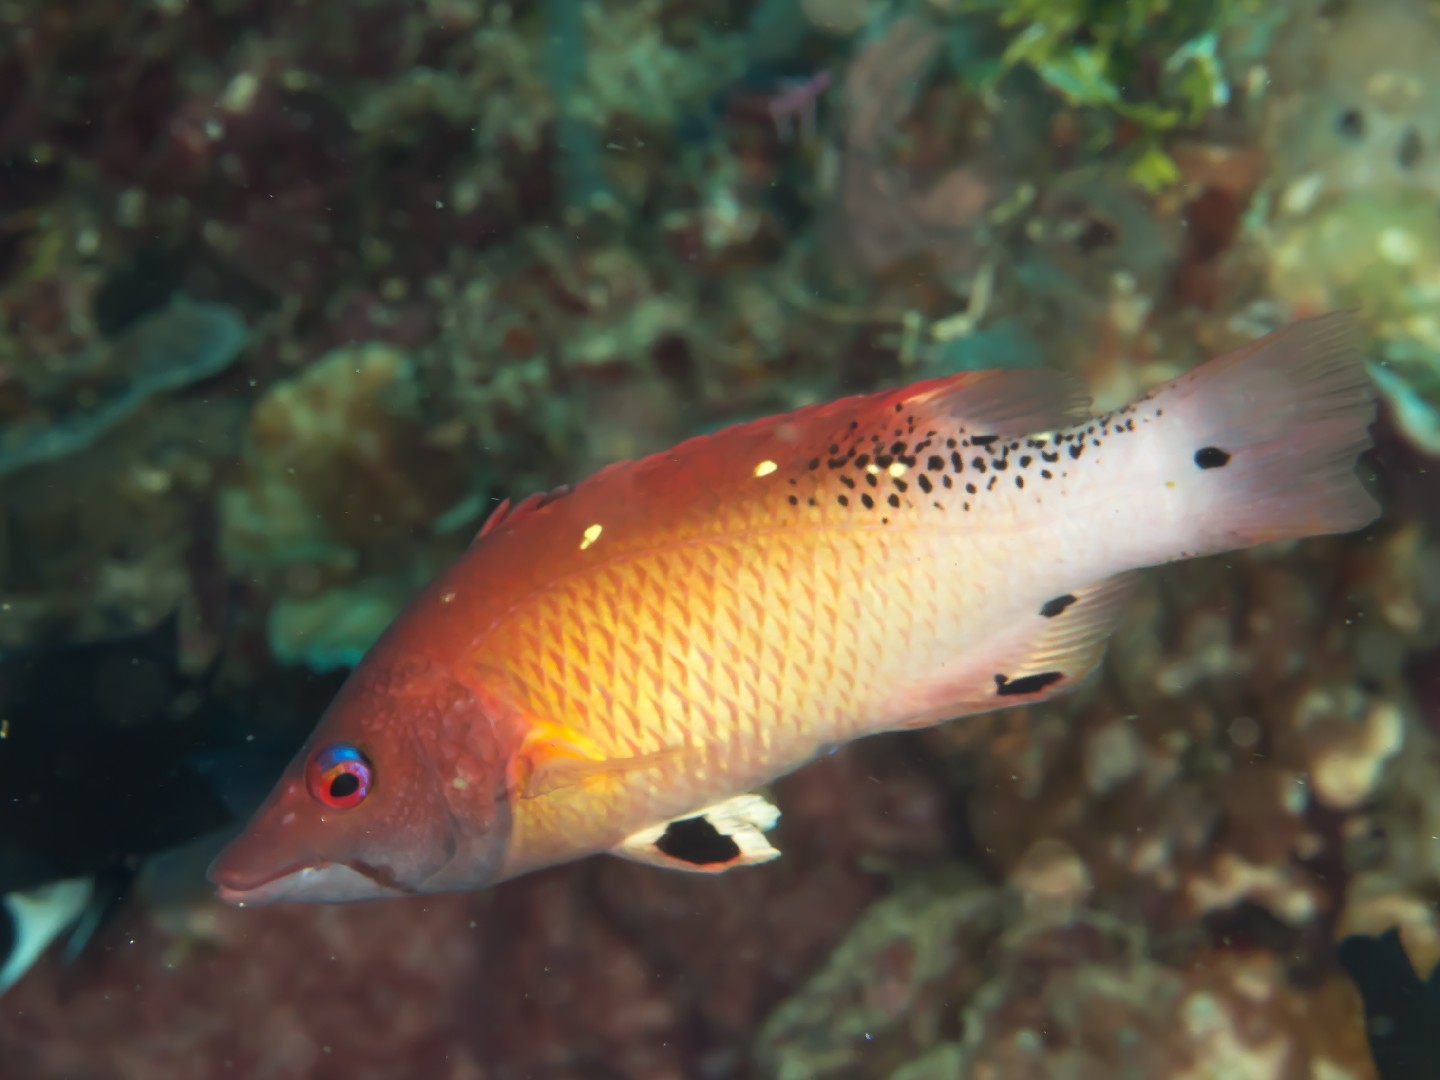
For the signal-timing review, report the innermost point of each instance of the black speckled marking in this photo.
(924, 482)
(697, 842)
(935, 463)
(794, 500)
(844, 500)
(1027, 684)
(1051, 608)
(982, 440)
(1211, 457)
(868, 502)
(894, 501)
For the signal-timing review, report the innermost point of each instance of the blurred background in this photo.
(291, 294)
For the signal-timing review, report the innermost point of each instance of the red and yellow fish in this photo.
(616, 667)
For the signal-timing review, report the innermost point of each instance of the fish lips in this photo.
(247, 872)
(314, 882)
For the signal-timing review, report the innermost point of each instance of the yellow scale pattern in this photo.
(739, 653)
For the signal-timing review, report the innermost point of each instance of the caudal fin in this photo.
(1269, 436)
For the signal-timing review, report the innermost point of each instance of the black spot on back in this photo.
(1051, 608)
(1027, 684)
(696, 841)
(1211, 457)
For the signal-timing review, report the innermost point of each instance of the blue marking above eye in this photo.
(339, 776)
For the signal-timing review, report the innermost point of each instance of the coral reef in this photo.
(1350, 118)
(291, 295)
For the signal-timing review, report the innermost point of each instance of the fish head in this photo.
(400, 791)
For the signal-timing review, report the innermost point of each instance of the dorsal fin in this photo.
(1006, 403)
(505, 513)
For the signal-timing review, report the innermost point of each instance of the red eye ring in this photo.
(339, 776)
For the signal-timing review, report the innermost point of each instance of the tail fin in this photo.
(1270, 434)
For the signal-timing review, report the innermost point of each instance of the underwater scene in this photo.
(706, 539)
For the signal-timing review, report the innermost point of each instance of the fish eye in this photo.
(339, 776)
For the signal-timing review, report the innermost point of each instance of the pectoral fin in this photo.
(555, 757)
(716, 839)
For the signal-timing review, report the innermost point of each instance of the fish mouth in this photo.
(237, 887)
(312, 882)
(334, 883)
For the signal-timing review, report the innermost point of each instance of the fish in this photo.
(31, 920)
(111, 756)
(1402, 1011)
(617, 667)
(92, 758)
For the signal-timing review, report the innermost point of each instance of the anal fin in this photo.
(710, 841)
(1050, 653)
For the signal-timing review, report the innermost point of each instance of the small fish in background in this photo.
(1402, 1011)
(615, 667)
(30, 921)
(109, 756)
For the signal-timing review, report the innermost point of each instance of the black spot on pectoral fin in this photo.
(1051, 608)
(1026, 684)
(1211, 457)
(697, 842)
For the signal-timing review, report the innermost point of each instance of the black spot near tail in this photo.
(697, 842)
(1211, 457)
(1051, 608)
(1027, 684)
